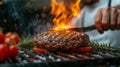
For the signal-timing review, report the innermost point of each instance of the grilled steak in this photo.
(60, 40)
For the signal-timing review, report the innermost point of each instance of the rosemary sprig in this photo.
(102, 46)
(26, 42)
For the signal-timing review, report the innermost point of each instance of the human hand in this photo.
(107, 18)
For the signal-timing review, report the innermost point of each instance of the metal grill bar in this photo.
(65, 55)
(27, 56)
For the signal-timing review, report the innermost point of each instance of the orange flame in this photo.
(64, 12)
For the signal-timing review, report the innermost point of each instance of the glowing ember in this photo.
(64, 11)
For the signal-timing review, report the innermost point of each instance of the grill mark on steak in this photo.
(61, 36)
(69, 35)
(61, 40)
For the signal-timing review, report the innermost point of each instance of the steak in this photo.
(60, 40)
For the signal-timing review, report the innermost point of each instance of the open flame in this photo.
(64, 11)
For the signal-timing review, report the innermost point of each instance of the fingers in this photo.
(98, 21)
(118, 19)
(113, 18)
(105, 18)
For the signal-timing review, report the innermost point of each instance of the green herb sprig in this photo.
(26, 42)
(102, 46)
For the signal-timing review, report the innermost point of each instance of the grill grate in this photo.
(28, 57)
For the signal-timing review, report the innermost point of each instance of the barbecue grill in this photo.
(28, 58)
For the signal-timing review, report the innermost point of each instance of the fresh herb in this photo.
(26, 42)
(102, 46)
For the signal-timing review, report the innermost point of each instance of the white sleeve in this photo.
(115, 2)
(77, 21)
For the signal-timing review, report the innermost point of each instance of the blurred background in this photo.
(25, 17)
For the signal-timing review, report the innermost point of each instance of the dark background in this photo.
(25, 17)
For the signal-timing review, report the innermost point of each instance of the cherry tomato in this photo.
(2, 37)
(3, 52)
(13, 51)
(11, 38)
(15, 38)
(8, 34)
(8, 40)
(39, 50)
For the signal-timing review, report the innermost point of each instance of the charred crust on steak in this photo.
(61, 40)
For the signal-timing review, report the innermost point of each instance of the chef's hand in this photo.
(107, 18)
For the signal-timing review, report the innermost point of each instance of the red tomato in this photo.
(13, 51)
(15, 38)
(39, 50)
(8, 34)
(2, 37)
(11, 38)
(3, 52)
(8, 40)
